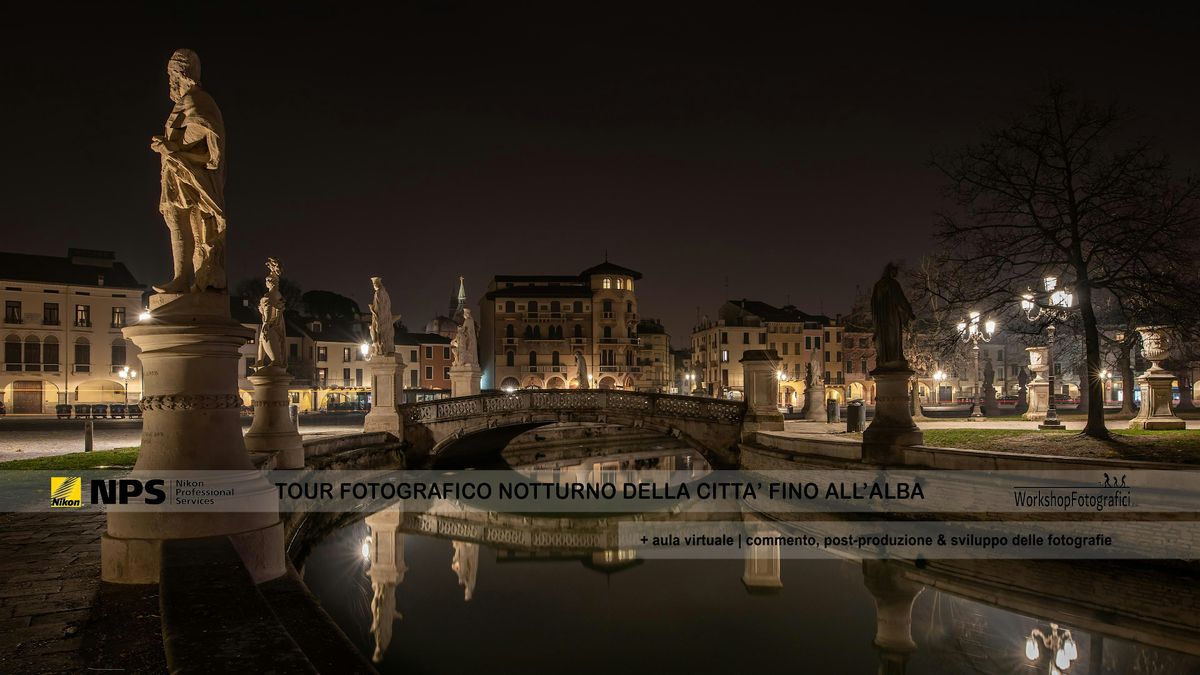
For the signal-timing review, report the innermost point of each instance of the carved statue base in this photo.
(814, 403)
(894, 596)
(387, 381)
(893, 426)
(1038, 400)
(273, 430)
(464, 380)
(761, 389)
(190, 358)
(1156, 413)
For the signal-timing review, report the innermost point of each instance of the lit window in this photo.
(629, 284)
(620, 283)
(607, 282)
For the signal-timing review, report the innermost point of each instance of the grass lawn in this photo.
(1181, 446)
(120, 457)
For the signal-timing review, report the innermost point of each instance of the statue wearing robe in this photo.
(272, 333)
(892, 314)
(383, 332)
(192, 202)
(464, 346)
(581, 371)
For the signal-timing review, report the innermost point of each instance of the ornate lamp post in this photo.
(1058, 642)
(1052, 303)
(939, 377)
(127, 375)
(974, 331)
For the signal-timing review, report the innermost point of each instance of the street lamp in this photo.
(974, 331)
(127, 375)
(1060, 644)
(364, 349)
(939, 377)
(1057, 302)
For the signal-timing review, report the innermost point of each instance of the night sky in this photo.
(740, 153)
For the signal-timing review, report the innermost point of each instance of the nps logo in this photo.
(66, 492)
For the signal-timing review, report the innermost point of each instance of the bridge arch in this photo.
(431, 428)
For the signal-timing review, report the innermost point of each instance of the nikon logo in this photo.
(66, 492)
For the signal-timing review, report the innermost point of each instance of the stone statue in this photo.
(581, 371)
(989, 373)
(383, 332)
(383, 615)
(463, 346)
(813, 376)
(272, 333)
(193, 180)
(892, 314)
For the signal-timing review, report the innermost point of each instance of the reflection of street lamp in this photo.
(366, 549)
(1058, 302)
(939, 377)
(127, 375)
(1060, 644)
(973, 333)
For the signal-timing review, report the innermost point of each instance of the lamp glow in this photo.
(1061, 660)
(143, 316)
(1069, 648)
(1031, 649)
(364, 348)
(366, 549)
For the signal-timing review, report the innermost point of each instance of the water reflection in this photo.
(544, 593)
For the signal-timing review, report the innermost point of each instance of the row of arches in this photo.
(557, 382)
(37, 397)
(35, 353)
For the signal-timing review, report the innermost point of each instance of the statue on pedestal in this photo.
(581, 371)
(272, 334)
(892, 314)
(383, 332)
(193, 180)
(463, 346)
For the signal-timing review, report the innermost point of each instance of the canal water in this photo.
(416, 603)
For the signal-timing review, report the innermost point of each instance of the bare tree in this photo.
(1047, 195)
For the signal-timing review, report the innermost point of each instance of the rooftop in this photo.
(79, 267)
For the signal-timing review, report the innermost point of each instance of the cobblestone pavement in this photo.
(49, 580)
(53, 438)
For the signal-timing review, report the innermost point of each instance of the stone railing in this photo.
(637, 403)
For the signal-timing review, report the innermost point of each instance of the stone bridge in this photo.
(472, 425)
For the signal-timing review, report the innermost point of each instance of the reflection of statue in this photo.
(892, 313)
(581, 371)
(466, 565)
(383, 333)
(193, 180)
(383, 615)
(463, 345)
(272, 334)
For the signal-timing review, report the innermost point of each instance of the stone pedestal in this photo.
(814, 402)
(761, 388)
(387, 381)
(273, 429)
(1155, 385)
(464, 380)
(893, 426)
(190, 360)
(1038, 394)
(894, 595)
(761, 571)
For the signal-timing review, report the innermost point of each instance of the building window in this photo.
(724, 338)
(607, 282)
(83, 316)
(510, 306)
(629, 307)
(554, 359)
(50, 354)
(620, 283)
(294, 351)
(118, 317)
(322, 375)
(33, 353)
(118, 352)
(12, 311)
(533, 358)
(762, 338)
(827, 357)
(322, 353)
(445, 372)
(864, 364)
(428, 372)
(629, 284)
(345, 377)
(510, 331)
(413, 379)
(849, 366)
(428, 352)
(817, 342)
(358, 377)
(577, 307)
(347, 355)
(724, 356)
(808, 343)
(509, 358)
(412, 356)
(12, 352)
(83, 356)
(445, 352)
(608, 331)
(745, 338)
(785, 349)
(50, 313)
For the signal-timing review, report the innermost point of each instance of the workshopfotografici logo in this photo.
(66, 492)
